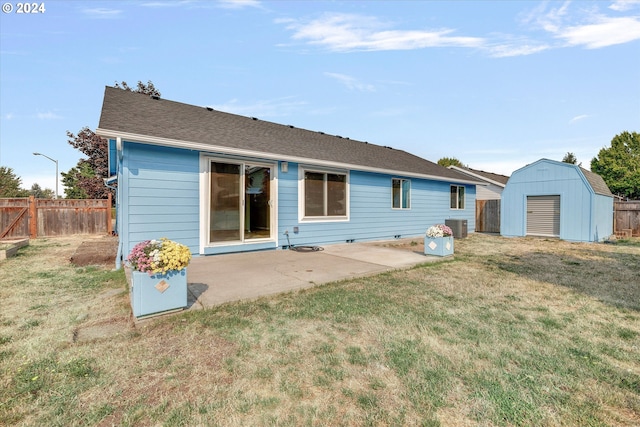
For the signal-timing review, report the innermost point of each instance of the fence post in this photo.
(33, 218)
(109, 224)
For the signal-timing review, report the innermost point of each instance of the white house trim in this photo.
(166, 142)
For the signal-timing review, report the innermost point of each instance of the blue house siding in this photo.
(584, 215)
(159, 196)
(370, 214)
(160, 191)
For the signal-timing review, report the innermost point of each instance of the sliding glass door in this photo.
(240, 202)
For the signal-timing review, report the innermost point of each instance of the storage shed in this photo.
(555, 199)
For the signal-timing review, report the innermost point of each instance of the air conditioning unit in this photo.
(458, 226)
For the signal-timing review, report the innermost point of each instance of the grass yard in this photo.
(512, 332)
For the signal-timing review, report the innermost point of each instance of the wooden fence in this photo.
(31, 217)
(488, 216)
(626, 219)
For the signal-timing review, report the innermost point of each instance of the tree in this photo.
(619, 165)
(89, 173)
(10, 184)
(86, 179)
(450, 161)
(72, 179)
(39, 193)
(570, 158)
(148, 89)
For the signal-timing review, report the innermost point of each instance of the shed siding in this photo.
(603, 214)
(581, 210)
(161, 192)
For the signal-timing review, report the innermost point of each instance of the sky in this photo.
(495, 84)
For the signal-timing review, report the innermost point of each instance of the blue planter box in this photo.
(158, 293)
(438, 246)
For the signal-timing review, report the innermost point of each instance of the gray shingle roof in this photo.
(502, 179)
(130, 113)
(490, 176)
(597, 183)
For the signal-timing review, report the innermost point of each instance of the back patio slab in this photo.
(219, 279)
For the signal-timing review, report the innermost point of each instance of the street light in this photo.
(56, 162)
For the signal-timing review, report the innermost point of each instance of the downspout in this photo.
(119, 154)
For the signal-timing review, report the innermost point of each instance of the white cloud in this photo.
(587, 27)
(48, 116)
(348, 32)
(516, 49)
(551, 21)
(568, 24)
(351, 82)
(102, 13)
(604, 32)
(624, 5)
(238, 4)
(578, 118)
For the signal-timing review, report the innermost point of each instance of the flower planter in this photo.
(158, 293)
(438, 246)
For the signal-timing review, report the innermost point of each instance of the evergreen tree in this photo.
(10, 184)
(570, 158)
(619, 165)
(40, 193)
(450, 161)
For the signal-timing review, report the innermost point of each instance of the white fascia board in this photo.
(486, 180)
(198, 146)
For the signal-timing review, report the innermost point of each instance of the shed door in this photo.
(543, 216)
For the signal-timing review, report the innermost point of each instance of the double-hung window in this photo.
(457, 197)
(325, 195)
(400, 193)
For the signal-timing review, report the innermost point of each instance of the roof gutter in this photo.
(198, 146)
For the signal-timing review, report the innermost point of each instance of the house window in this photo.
(400, 193)
(457, 197)
(325, 194)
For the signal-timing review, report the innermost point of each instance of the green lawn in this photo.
(512, 332)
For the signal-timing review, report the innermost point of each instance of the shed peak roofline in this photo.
(592, 179)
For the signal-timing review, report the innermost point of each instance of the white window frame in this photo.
(401, 207)
(205, 201)
(301, 194)
(464, 197)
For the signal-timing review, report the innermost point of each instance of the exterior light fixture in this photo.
(56, 162)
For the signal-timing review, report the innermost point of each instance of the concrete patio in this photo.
(219, 279)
